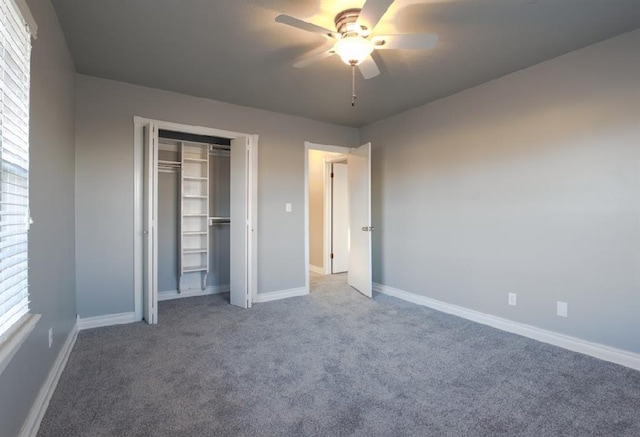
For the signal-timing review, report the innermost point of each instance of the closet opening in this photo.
(195, 209)
(193, 215)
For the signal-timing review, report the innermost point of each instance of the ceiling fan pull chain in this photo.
(353, 84)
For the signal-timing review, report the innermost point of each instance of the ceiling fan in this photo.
(354, 41)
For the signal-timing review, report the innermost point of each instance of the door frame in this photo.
(325, 148)
(138, 206)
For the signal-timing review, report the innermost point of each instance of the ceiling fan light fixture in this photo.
(353, 49)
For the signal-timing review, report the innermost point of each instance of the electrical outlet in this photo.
(50, 336)
(563, 309)
(512, 299)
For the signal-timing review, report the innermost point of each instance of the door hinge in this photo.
(331, 256)
(331, 174)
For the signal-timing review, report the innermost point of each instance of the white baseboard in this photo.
(316, 269)
(283, 294)
(607, 353)
(39, 407)
(106, 320)
(212, 289)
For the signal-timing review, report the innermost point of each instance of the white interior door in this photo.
(339, 218)
(359, 169)
(150, 284)
(240, 223)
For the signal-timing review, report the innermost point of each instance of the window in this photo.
(15, 53)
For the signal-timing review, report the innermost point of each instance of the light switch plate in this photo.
(563, 309)
(287, 207)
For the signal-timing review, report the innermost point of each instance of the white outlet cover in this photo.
(287, 207)
(512, 299)
(563, 309)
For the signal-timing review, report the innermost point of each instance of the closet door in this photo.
(239, 280)
(150, 284)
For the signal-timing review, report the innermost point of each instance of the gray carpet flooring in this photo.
(334, 364)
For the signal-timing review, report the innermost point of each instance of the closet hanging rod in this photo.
(169, 163)
(219, 221)
(212, 146)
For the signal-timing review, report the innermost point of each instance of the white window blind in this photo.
(15, 53)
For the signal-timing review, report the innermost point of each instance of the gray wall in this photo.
(168, 228)
(219, 206)
(51, 239)
(527, 184)
(104, 195)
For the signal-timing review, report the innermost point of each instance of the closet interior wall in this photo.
(169, 224)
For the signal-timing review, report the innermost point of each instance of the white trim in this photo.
(340, 159)
(326, 148)
(189, 129)
(252, 260)
(317, 269)
(11, 341)
(283, 294)
(106, 320)
(29, 21)
(607, 353)
(138, 219)
(174, 294)
(38, 409)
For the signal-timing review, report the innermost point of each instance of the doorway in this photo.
(243, 212)
(323, 217)
(338, 222)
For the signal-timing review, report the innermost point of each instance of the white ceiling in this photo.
(233, 51)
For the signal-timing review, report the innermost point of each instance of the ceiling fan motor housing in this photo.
(346, 23)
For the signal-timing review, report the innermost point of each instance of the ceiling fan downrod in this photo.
(353, 84)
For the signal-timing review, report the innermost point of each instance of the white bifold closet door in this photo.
(240, 232)
(360, 228)
(150, 279)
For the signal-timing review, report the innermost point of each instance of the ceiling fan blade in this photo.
(299, 24)
(372, 12)
(313, 57)
(369, 68)
(425, 41)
